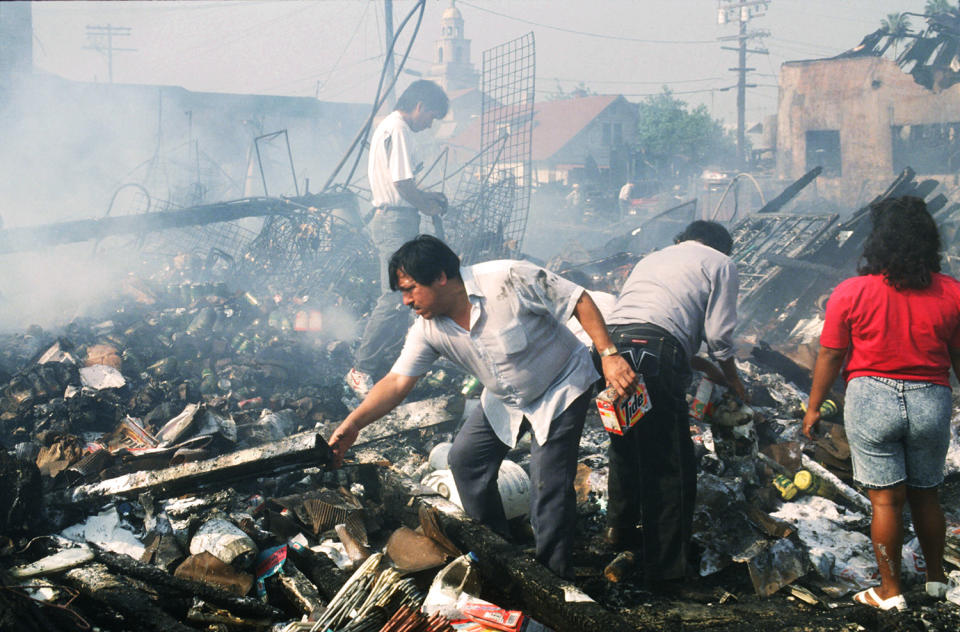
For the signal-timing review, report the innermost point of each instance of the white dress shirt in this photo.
(518, 346)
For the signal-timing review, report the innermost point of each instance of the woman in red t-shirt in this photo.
(897, 326)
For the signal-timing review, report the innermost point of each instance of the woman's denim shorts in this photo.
(898, 430)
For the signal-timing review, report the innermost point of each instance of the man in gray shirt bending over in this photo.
(504, 322)
(673, 300)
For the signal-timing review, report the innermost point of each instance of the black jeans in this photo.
(653, 470)
(475, 462)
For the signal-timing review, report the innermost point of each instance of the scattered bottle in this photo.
(471, 387)
(809, 483)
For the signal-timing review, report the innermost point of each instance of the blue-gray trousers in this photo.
(475, 463)
(388, 322)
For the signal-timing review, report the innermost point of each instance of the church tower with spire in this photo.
(452, 68)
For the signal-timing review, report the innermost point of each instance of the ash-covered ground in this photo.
(253, 370)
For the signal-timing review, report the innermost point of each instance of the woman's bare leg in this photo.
(931, 528)
(886, 531)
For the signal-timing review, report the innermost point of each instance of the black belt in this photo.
(626, 333)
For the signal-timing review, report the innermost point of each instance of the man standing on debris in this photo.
(673, 300)
(504, 322)
(397, 202)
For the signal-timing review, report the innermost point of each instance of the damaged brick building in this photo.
(864, 117)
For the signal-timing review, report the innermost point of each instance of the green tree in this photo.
(579, 91)
(676, 141)
(897, 27)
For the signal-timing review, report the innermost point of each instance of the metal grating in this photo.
(760, 236)
(489, 214)
(224, 239)
(313, 252)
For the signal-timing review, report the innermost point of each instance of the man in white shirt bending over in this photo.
(504, 322)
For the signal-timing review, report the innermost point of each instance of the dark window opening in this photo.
(927, 149)
(823, 150)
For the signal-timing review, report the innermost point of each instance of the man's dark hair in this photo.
(426, 92)
(904, 245)
(423, 258)
(709, 234)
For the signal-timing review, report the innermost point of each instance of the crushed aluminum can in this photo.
(619, 414)
(787, 488)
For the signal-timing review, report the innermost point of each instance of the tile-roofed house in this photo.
(571, 137)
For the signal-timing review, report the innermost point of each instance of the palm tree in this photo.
(936, 7)
(896, 26)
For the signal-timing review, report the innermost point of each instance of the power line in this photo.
(101, 38)
(645, 94)
(584, 33)
(807, 44)
(243, 34)
(627, 82)
(315, 72)
(344, 52)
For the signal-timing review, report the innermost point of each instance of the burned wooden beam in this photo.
(549, 599)
(159, 578)
(33, 237)
(413, 416)
(300, 590)
(791, 191)
(936, 203)
(289, 454)
(797, 264)
(320, 569)
(96, 582)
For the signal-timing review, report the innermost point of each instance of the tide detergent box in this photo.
(618, 414)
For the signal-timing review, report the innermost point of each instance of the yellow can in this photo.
(785, 486)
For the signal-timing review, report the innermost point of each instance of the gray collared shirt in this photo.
(518, 346)
(690, 290)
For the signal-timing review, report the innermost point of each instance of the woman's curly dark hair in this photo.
(904, 245)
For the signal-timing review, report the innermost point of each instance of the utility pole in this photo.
(742, 11)
(388, 29)
(101, 38)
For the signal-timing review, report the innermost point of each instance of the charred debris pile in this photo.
(165, 468)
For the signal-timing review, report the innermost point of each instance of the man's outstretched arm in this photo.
(382, 398)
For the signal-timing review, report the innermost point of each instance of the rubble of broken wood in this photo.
(219, 414)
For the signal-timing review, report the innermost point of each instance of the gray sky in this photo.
(333, 48)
